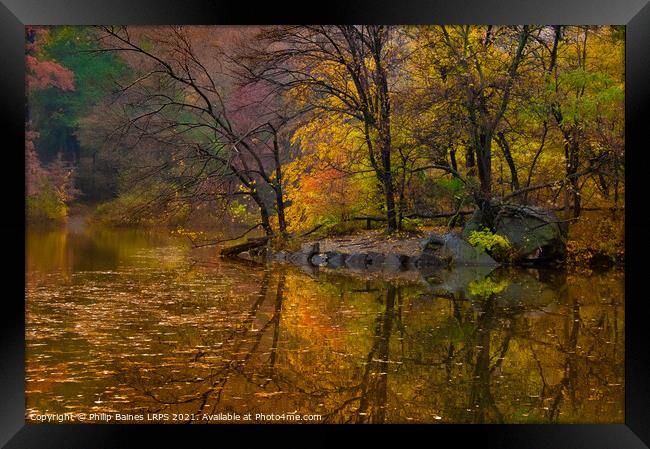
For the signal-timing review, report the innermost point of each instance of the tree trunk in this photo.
(452, 159)
(572, 149)
(470, 162)
(264, 213)
(503, 143)
(389, 196)
(248, 245)
(387, 175)
(384, 133)
(577, 203)
(401, 197)
(279, 201)
(484, 162)
(277, 186)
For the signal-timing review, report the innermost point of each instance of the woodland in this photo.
(294, 131)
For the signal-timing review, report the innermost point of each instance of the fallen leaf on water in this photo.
(263, 394)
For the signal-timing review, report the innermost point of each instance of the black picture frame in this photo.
(635, 14)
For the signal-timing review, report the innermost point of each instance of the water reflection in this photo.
(136, 323)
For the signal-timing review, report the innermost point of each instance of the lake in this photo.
(139, 323)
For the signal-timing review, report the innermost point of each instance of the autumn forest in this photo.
(425, 214)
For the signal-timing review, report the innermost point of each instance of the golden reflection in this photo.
(138, 323)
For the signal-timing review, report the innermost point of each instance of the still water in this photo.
(136, 323)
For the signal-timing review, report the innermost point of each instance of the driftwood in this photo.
(246, 246)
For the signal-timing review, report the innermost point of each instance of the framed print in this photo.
(395, 214)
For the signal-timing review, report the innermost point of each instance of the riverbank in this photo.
(591, 245)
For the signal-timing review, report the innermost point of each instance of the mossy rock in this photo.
(455, 251)
(536, 234)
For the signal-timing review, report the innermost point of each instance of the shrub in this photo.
(412, 224)
(47, 207)
(496, 245)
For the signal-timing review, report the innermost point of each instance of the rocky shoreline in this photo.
(536, 235)
(435, 251)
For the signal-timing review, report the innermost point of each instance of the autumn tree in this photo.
(316, 125)
(47, 187)
(183, 98)
(341, 70)
(585, 103)
(480, 65)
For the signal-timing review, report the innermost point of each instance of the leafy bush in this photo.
(127, 210)
(47, 207)
(412, 224)
(496, 245)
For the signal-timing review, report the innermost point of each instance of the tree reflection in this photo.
(200, 387)
(511, 346)
(481, 399)
(373, 397)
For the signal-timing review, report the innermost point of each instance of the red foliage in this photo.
(34, 172)
(41, 75)
(44, 74)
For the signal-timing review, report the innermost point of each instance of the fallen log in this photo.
(439, 215)
(246, 246)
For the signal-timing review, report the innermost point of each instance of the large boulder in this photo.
(536, 234)
(451, 249)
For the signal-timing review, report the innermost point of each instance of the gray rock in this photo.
(299, 258)
(319, 259)
(335, 259)
(356, 260)
(474, 224)
(451, 249)
(374, 261)
(536, 234)
(395, 261)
